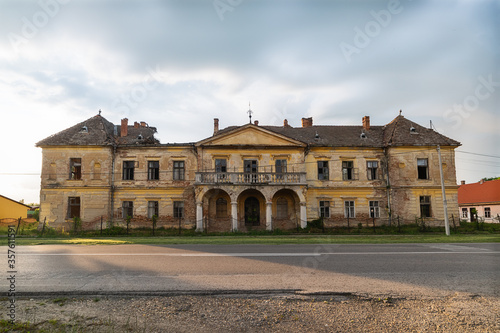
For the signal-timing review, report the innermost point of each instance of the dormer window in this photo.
(413, 130)
(363, 136)
(140, 137)
(84, 129)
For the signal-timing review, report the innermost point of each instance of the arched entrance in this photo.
(252, 211)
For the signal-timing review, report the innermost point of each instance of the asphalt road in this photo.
(393, 269)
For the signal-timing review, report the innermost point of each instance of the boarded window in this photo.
(422, 168)
(153, 170)
(73, 207)
(425, 206)
(374, 209)
(221, 207)
(128, 170)
(282, 208)
(323, 170)
(178, 170)
(75, 168)
(324, 209)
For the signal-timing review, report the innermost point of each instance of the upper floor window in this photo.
(323, 170)
(348, 170)
(178, 170)
(127, 209)
(374, 209)
(487, 212)
(152, 209)
(371, 168)
(128, 170)
(349, 209)
(324, 209)
(97, 171)
(73, 207)
(425, 206)
(178, 209)
(153, 170)
(423, 168)
(280, 166)
(75, 168)
(221, 165)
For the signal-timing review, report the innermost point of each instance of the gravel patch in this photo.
(257, 313)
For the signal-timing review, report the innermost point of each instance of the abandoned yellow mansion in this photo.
(247, 177)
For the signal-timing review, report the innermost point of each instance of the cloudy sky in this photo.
(178, 64)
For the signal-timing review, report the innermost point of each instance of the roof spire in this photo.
(99, 111)
(250, 112)
(400, 111)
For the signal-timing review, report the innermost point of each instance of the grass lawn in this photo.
(263, 239)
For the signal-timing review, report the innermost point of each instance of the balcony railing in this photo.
(258, 178)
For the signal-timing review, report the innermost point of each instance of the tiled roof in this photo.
(476, 193)
(97, 131)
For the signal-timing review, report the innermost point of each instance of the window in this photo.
(425, 206)
(250, 167)
(97, 171)
(178, 209)
(221, 207)
(127, 209)
(128, 170)
(323, 170)
(75, 168)
(374, 209)
(152, 209)
(347, 170)
(371, 168)
(220, 165)
(153, 170)
(282, 208)
(324, 208)
(73, 207)
(178, 170)
(349, 209)
(423, 169)
(52, 171)
(487, 212)
(464, 212)
(280, 166)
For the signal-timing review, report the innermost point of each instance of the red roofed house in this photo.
(484, 196)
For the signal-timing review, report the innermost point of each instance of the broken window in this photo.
(153, 170)
(250, 168)
(349, 209)
(347, 170)
(371, 168)
(374, 209)
(178, 170)
(152, 209)
(282, 208)
(323, 170)
(127, 209)
(221, 207)
(75, 168)
(221, 168)
(128, 170)
(73, 207)
(324, 209)
(178, 209)
(425, 206)
(423, 168)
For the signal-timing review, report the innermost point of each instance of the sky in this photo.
(178, 64)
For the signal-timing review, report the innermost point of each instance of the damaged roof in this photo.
(97, 131)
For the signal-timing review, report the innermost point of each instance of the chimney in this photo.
(307, 122)
(216, 125)
(256, 122)
(481, 181)
(136, 124)
(285, 123)
(124, 127)
(462, 182)
(143, 124)
(366, 122)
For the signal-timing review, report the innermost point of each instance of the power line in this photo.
(467, 152)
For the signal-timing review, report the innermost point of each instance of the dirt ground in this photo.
(255, 313)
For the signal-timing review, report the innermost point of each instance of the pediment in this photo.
(250, 135)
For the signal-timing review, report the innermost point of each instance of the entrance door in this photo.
(252, 211)
(250, 168)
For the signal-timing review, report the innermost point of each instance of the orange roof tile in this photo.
(488, 191)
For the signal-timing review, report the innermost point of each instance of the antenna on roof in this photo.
(99, 111)
(249, 112)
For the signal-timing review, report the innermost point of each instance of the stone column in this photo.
(269, 218)
(199, 217)
(303, 215)
(234, 215)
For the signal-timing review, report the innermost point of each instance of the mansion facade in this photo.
(248, 177)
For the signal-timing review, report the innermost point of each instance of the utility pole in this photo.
(445, 203)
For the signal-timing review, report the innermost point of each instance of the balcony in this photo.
(257, 178)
